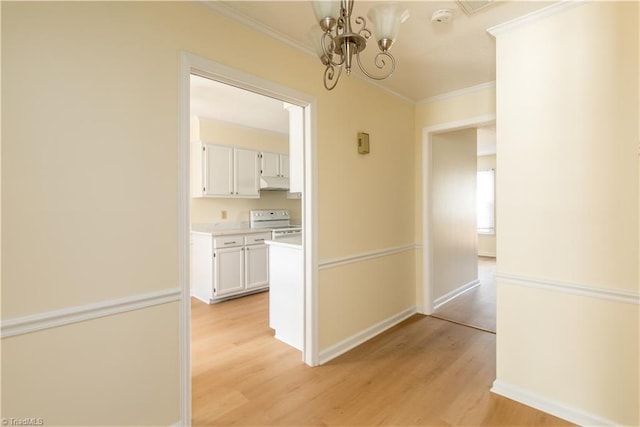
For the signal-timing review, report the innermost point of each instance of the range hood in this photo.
(274, 183)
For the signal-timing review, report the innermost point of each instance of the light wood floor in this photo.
(476, 307)
(423, 372)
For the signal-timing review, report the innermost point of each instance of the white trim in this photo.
(240, 18)
(545, 12)
(353, 341)
(184, 215)
(438, 302)
(619, 295)
(456, 93)
(336, 262)
(485, 119)
(427, 253)
(191, 63)
(488, 254)
(560, 410)
(81, 313)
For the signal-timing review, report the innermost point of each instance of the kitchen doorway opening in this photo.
(433, 297)
(194, 65)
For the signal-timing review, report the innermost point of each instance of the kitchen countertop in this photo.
(217, 230)
(294, 242)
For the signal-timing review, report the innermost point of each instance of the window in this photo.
(485, 196)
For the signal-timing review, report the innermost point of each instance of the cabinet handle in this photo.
(230, 243)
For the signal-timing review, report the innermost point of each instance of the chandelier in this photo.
(337, 43)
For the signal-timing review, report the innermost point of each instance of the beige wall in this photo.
(453, 210)
(89, 161)
(209, 210)
(487, 242)
(574, 109)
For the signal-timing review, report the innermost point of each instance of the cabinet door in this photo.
(256, 266)
(270, 164)
(228, 271)
(218, 170)
(284, 165)
(247, 172)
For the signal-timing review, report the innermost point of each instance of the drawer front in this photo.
(258, 238)
(227, 242)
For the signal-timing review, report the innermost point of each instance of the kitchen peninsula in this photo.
(286, 281)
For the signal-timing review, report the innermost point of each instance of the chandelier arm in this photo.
(331, 76)
(380, 63)
(363, 31)
(329, 53)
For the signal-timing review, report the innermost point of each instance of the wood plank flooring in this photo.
(423, 372)
(477, 306)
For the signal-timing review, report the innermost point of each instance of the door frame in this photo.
(427, 242)
(190, 63)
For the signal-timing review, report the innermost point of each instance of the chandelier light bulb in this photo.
(337, 42)
(386, 19)
(327, 13)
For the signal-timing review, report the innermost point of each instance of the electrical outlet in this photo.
(223, 214)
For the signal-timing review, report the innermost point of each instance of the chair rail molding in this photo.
(81, 313)
(619, 295)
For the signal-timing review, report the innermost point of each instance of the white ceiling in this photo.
(213, 100)
(432, 59)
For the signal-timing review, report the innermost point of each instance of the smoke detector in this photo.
(442, 16)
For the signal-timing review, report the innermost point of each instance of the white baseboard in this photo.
(353, 341)
(560, 410)
(454, 293)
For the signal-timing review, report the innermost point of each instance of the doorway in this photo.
(463, 226)
(432, 296)
(192, 64)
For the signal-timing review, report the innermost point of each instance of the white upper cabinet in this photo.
(223, 171)
(247, 172)
(284, 166)
(275, 164)
(218, 170)
(270, 164)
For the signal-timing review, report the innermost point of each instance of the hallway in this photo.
(422, 372)
(477, 306)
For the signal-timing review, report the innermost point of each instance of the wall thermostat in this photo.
(363, 143)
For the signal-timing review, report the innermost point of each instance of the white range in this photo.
(276, 220)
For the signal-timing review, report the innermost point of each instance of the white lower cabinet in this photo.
(256, 266)
(228, 266)
(228, 277)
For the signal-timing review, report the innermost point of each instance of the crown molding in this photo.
(545, 12)
(234, 15)
(459, 92)
(240, 18)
